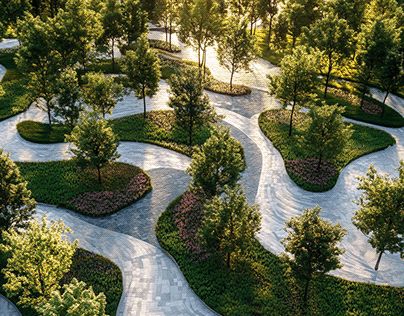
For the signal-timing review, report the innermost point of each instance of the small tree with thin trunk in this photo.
(77, 299)
(381, 213)
(236, 47)
(38, 258)
(218, 163)
(191, 106)
(16, 204)
(95, 144)
(142, 69)
(230, 224)
(102, 92)
(311, 247)
(327, 135)
(297, 80)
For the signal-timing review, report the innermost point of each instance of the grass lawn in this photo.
(275, 125)
(16, 98)
(160, 128)
(97, 271)
(64, 184)
(259, 283)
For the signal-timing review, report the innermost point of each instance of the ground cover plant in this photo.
(300, 165)
(159, 128)
(64, 184)
(97, 271)
(16, 98)
(267, 288)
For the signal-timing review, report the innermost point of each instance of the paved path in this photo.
(7, 308)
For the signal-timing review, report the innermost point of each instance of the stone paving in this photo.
(7, 308)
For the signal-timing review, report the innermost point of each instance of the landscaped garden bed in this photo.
(96, 271)
(159, 128)
(163, 45)
(300, 164)
(260, 283)
(65, 184)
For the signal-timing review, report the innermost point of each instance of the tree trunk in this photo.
(231, 79)
(166, 30)
(204, 63)
(384, 103)
(306, 297)
(190, 132)
(113, 55)
(144, 102)
(171, 31)
(228, 261)
(293, 41)
(319, 161)
(378, 260)
(48, 110)
(327, 81)
(99, 174)
(270, 29)
(291, 117)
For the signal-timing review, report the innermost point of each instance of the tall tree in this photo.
(267, 10)
(235, 48)
(135, 20)
(95, 143)
(16, 203)
(77, 299)
(191, 106)
(380, 216)
(13, 10)
(102, 92)
(38, 259)
(344, 8)
(218, 163)
(332, 36)
(229, 223)
(168, 15)
(68, 104)
(311, 246)
(112, 21)
(327, 135)
(142, 70)
(297, 79)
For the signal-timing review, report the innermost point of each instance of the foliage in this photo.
(311, 245)
(168, 14)
(381, 211)
(142, 70)
(258, 283)
(297, 80)
(16, 204)
(64, 184)
(326, 135)
(134, 20)
(191, 106)
(364, 140)
(218, 163)
(162, 45)
(229, 223)
(102, 93)
(95, 143)
(77, 299)
(38, 259)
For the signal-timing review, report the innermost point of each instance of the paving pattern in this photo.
(153, 283)
(7, 308)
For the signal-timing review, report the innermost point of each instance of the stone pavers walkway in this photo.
(7, 308)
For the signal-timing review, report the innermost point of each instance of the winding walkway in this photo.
(265, 181)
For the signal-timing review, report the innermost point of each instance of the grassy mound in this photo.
(275, 125)
(64, 184)
(97, 271)
(259, 284)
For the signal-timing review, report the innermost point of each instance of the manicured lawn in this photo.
(16, 98)
(259, 284)
(160, 128)
(275, 125)
(64, 184)
(97, 271)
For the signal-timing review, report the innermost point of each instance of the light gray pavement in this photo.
(7, 308)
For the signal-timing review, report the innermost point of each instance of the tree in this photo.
(380, 216)
(229, 223)
(297, 80)
(142, 70)
(200, 24)
(16, 203)
(344, 8)
(267, 11)
(68, 105)
(77, 300)
(112, 21)
(38, 259)
(312, 245)
(191, 106)
(102, 92)
(37, 58)
(168, 14)
(13, 10)
(95, 143)
(332, 36)
(236, 48)
(77, 28)
(218, 163)
(135, 19)
(327, 135)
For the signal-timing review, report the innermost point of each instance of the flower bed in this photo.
(368, 107)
